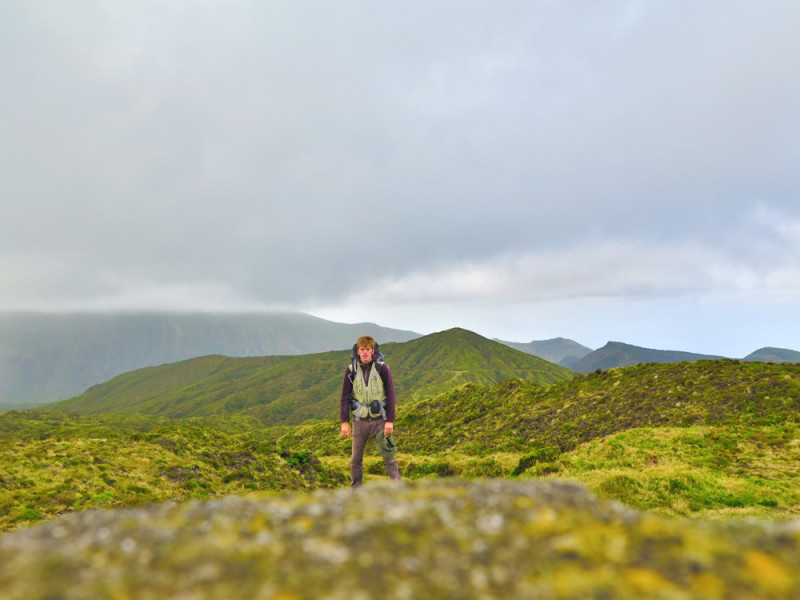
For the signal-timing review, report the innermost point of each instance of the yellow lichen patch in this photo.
(708, 586)
(768, 571)
(574, 582)
(302, 524)
(258, 523)
(488, 540)
(647, 580)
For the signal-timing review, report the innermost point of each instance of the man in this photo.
(368, 392)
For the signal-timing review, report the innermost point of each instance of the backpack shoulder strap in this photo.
(353, 363)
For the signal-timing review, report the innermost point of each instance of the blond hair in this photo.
(366, 341)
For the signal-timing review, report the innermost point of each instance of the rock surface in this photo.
(424, 541)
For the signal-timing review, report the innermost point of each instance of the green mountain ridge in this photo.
(618, 354)
(778, 355)
(291, 389)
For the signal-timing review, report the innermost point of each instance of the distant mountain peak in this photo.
(560, 351)
(776, 355)
(620, 354)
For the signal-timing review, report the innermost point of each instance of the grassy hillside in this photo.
(292, 389)
(518, 415)
(778, 355)
(438, 362)
(46, 357)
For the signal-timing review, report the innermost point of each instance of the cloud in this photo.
(626, 271)
(302, 154)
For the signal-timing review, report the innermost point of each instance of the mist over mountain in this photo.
(45, 357)
(558, 350)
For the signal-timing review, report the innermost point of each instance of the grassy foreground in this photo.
(710, 473)
(442, 540)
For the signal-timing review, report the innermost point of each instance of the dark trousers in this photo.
(363, 431)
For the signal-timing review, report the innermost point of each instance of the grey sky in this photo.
(598, 170)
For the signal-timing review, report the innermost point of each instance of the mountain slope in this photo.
(48, 357)
(516, 415)
(559, 350)
(617, 354)
(443, 360)
(292, 389)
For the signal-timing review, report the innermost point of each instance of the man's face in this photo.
(365, 353)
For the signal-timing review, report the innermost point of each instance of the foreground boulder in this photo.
(424, 541)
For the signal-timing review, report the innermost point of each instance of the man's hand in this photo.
(346, 429)
(388, 428)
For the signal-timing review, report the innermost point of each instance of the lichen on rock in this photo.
(429, 540)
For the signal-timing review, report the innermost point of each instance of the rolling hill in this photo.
(291, 389)
(47, 357)
(777, 355)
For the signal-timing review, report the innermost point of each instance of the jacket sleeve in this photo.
(344, 402)
(388, 387)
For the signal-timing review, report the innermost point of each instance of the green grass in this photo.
(708, 472)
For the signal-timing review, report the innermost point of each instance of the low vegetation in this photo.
(710, 472)
(54, 464)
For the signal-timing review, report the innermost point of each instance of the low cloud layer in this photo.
(461, 159)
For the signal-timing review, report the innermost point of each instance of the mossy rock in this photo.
(430, 540)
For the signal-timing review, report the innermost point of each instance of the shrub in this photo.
(546, 454)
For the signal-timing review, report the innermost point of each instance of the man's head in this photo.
(365, 348)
